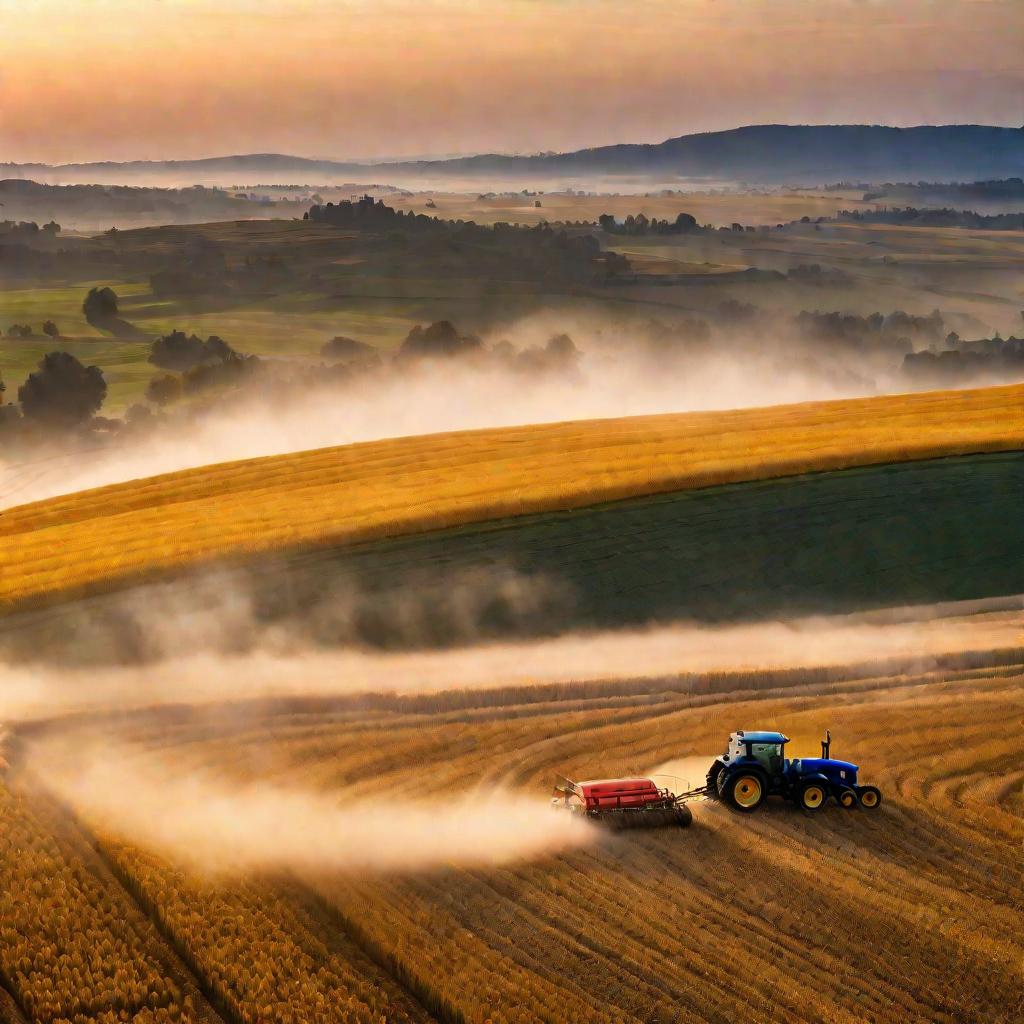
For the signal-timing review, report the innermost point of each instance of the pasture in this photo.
(721, 207)
(374, 289)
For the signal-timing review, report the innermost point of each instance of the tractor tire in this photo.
(869, 797)
(847, 798)
(714, 774)
(812, 796)
(745, 791)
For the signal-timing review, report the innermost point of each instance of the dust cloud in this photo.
(222, 828)
(141, 793)
(622, 372)
(915, 637)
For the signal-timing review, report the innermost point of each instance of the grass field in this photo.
(717, 208)
(841, 917)
(339, 284)
(123, 362)
(96, 540)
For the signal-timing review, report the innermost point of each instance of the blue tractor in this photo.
(755, 767)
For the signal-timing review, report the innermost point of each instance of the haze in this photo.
(159, 79)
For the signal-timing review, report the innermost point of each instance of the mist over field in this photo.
(621, 371)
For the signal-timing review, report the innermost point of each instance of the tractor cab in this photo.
(767, 748)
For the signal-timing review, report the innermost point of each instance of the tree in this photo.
(229, 373)
(139, 415)
(178, 351)
(164, 389)
(346, 350)
(62, 392)
(562, 348)
(559, 354)
(50, 329)
(439, 339)
(100, 304)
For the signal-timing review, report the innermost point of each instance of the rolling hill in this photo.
(98, 540)
(767, 154)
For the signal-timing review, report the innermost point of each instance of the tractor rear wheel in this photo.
(869, 797)
(848, 798)
(745, 791)
(812, 796)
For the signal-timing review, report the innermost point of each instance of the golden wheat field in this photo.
(93, 540)
(910, 914)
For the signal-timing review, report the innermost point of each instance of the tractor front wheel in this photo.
(745, 792)
(869, 796)
(812, 796)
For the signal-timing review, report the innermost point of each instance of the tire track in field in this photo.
(11, 1010)
(420, 995)
(431, 1002)
(176, 958)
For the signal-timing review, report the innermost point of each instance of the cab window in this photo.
(769, 754)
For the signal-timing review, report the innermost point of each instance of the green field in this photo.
(123, 362)
(920, 532)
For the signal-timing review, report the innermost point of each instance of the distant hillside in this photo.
(768, 154)
(787, 153)
(98, 207)
(226, 171)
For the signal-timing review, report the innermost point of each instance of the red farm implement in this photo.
(624, 803)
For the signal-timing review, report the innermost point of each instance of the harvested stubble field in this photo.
(96, 540)
(910, 915)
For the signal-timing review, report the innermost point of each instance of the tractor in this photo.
(755, 767)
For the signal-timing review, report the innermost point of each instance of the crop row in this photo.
(73, 948)
(265, 957)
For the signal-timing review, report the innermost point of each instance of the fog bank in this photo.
(622, 372)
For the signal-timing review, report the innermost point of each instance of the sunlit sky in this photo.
(156, 79)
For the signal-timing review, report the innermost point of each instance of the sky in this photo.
(84, 80)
